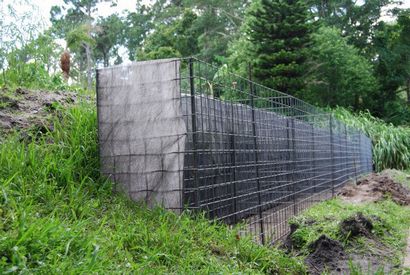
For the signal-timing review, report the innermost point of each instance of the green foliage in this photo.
(109, 34)
(79, 37)
(137, 26)
(391, 145)
(392, 66)
(278, 35)
(339, 75)
(174, 40)
(195, 27)
(31, 64)
(34, 75)
(356, 20)
(57, 215)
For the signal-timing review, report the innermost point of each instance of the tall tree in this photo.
(218, 23)
(356, 19)
(108, 36)
(137, 25)
(278, 35)
(177, 39)
(339, 74)
(74, 16)
(210, 25)
(403, 22)
(392, 64)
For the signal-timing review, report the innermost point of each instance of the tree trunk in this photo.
(408, 90)
(88, 54)
(88, 49)
(106, 61)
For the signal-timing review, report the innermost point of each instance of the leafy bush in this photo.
(391, 144)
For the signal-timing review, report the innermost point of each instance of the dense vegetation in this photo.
(391, 144)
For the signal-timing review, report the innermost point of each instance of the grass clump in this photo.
(57, 215)
(391, 144)
(390, 225)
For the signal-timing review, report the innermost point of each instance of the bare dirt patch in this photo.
(375, 187)
(369, 255)
(24, 109)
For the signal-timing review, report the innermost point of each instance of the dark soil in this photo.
(358, 225)
(376, 187)
(327, 254)
(22, 109)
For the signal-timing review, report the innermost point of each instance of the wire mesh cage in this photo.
(188, 135)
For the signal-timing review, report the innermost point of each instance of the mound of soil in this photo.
(375, 187)
(327, 254)
(23, 109)
(357, 225)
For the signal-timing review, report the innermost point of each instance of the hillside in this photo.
(58, 215)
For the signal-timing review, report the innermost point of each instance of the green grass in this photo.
(391, 223)
(57, 215)
(391, 144)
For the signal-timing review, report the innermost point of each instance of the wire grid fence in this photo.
(194, 136)
(259, 156)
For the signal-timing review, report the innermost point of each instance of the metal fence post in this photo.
(356, 160)
(347, 168)
(194, 131)
(255, 144)
(332, 154)
(314, 158)
(233, 165)
(293, 150)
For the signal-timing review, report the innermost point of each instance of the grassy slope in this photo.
(57, 215)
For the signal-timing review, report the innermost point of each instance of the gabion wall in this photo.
(186, 135)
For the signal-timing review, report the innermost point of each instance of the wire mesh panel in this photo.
(223, 145)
